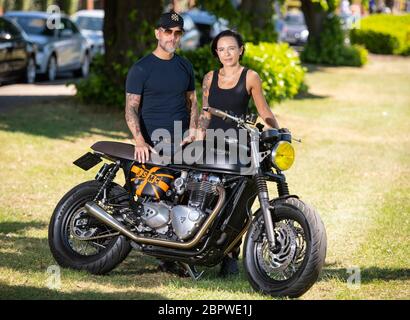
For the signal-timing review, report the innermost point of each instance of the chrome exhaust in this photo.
(96, 211)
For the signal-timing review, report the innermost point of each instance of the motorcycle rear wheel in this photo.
(97, 257)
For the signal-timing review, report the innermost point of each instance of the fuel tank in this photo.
(150, 180)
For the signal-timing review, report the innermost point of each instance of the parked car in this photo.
(294, 29)
(91, 23)
(59, 48)
(208, 25)
(191, 38)
(17, 54)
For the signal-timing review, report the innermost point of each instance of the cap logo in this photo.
(175, 17)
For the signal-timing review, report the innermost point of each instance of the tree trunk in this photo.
(68, 6)
(45, 4)
(128, 33)
(260, 11)
(22, 5)
(314, 17)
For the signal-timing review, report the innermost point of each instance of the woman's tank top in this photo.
(234, 100)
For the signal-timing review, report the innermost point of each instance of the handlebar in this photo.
(221, 114)
(241, 122)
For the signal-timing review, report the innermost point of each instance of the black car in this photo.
(17, 54)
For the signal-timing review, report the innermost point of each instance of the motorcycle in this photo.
(194, 213)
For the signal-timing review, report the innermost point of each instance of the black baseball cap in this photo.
(170, 20)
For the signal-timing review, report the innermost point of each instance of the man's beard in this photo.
(170, 49)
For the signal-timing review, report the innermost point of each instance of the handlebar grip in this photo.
(216, 112)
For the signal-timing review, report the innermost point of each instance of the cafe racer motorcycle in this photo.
(194, 214)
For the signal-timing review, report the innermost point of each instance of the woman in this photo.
(230, 89)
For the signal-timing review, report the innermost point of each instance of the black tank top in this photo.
(234, 100)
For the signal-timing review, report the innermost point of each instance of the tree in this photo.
(68, 6)
(128, 33)
(22, 5)
(252, 18)
(315, 12)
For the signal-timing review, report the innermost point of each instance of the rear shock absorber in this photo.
(110, 177)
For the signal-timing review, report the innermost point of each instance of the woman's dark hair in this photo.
(227, 33)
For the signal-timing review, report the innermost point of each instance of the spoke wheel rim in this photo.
(286, 260)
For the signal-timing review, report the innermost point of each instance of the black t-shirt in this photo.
(163, 85)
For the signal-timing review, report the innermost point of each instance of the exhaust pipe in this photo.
(96, 211)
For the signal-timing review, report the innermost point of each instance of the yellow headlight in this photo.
(283, 155)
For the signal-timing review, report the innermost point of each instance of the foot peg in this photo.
(195, 274)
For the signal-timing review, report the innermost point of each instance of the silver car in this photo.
(91, 23)
(60, 47)
(294, 29)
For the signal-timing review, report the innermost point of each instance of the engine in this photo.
(176, 207)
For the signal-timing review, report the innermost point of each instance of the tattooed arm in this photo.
(205, 117)
(132, 117)
(192, 107)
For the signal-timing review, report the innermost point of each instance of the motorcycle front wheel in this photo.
(294, 265)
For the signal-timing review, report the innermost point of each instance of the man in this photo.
(160, 90)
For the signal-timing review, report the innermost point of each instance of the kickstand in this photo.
(195, 274)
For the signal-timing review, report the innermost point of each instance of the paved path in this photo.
(24, 95)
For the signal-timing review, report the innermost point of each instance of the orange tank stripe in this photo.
(164, 175)
(156, 193)
(164, 187)
(142, 186)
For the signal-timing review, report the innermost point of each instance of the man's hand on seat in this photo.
(142, 150)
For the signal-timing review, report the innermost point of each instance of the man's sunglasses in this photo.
(169, 32)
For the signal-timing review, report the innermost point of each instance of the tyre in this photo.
(51, 73)
(30, 72)
(294, 265)
(85, 67)
(70, 222)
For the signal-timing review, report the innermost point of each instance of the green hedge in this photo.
(277, 64)
(384, 34)
(279, 67)
(330, 48)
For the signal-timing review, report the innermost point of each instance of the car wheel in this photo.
(52, 68)
(30, 75)
(85, 67)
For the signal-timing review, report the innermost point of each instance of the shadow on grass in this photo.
(33, 293)
(65, 120)
(309, 96)
(367, 275)
(16, 226)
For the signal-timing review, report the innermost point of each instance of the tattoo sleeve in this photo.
(205, 117)
(192, 106)
(132, 114)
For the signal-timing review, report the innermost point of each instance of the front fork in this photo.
(263, 195)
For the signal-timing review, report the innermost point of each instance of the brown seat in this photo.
(115, 149)
(120, 150)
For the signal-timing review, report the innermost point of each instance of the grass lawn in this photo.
(353, 165)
